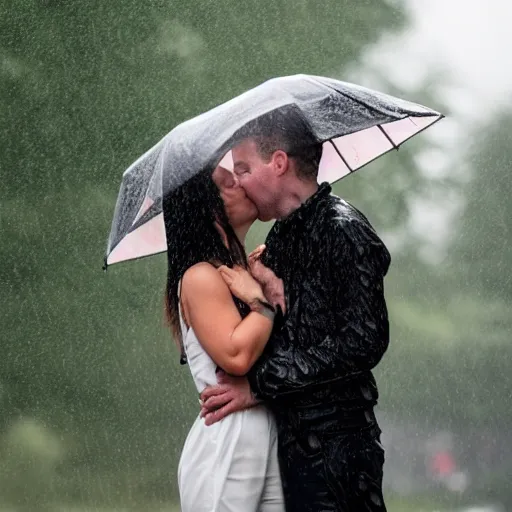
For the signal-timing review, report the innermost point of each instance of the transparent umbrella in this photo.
(355, 125)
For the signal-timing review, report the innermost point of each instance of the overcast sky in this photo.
(470, 39)
(465, 47)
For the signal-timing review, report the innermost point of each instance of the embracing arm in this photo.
(338, 326)
(232, 342)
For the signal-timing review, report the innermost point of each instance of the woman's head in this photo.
(200, 226)
(240, 210)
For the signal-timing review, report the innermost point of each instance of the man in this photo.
(315, 374)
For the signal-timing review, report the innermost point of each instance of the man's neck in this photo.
(298, 194)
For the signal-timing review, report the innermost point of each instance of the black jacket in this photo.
(335, 329)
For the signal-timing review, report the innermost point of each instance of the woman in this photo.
(231, 466)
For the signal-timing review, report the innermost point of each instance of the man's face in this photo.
(257, 177)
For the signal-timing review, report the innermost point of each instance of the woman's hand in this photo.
(242, 284)
(256, 254)
(272, 286)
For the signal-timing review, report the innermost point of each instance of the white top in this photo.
(232, 465)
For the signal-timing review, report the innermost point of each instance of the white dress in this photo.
(230, 466)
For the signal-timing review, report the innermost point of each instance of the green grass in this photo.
(396, 504)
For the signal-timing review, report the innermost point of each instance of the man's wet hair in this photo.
(286, 130)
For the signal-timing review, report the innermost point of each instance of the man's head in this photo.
(277, 157)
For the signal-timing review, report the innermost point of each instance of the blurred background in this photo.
(94, 406)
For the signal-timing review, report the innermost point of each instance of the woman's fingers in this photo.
(256, 254)
(260, 248)
(226, 273)
(223, 269)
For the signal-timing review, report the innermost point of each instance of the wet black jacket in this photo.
(335, 329)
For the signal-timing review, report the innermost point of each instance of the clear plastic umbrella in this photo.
(356, 125)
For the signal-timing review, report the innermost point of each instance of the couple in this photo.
(285, 379)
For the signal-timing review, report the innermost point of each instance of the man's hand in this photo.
(230, 395)
(272, 286)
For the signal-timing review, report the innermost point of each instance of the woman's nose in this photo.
(230, 180)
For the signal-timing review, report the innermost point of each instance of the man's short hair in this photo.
(286, 129)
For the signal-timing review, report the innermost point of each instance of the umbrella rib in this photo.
(341, 156)
(387, 136)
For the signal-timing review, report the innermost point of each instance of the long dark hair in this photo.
(190, 214)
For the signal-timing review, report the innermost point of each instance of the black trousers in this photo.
(332, 471)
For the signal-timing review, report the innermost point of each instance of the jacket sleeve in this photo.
(338, 326)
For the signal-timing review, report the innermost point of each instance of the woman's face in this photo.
(240, 210)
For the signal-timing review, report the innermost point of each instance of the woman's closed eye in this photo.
(241, 169)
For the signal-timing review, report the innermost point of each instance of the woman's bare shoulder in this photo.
(202, 277)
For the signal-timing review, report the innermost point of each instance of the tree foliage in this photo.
(86, 87)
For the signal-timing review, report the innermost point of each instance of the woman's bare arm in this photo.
(234, 344)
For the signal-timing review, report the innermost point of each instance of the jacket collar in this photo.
(308, 206)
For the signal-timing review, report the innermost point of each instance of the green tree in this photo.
(86, 87)
(450, 358)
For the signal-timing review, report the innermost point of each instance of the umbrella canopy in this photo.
(355, 124)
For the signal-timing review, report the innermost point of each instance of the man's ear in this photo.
(281, 162)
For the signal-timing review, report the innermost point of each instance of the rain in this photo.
(95, 406)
